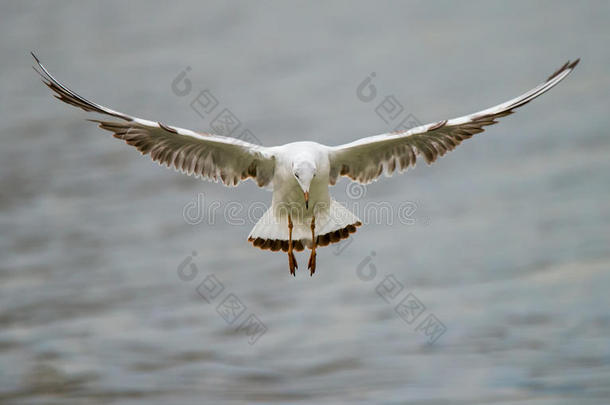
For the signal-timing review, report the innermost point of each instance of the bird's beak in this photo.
(306, 200)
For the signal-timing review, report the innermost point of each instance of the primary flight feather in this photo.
(302, 213)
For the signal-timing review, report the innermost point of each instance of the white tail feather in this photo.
(337, 217)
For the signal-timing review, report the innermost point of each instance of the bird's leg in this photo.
(312, 258)
(292, 262)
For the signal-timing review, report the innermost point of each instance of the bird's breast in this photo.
(289, 198)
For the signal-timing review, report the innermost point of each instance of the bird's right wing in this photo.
(366, 159)
(215, 157)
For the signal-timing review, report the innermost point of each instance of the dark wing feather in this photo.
(366, 159)
(214, 157)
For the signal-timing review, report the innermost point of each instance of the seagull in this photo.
(302, 213)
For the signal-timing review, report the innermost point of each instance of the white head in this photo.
(304, 171)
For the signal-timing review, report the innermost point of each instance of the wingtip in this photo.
(573, 64)
(42, 77)
(39, 67)
(569, 65)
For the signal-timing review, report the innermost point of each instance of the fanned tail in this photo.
(333, 225)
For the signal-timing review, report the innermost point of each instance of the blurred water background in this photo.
(508, 247)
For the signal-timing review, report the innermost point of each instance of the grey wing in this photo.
(200, 154)
(366, 159)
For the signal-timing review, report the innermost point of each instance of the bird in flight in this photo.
(302, 214)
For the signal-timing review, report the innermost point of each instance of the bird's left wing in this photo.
(215, 157)
(366, 159)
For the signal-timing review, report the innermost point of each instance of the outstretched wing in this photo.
(214, 157)
(366, 159)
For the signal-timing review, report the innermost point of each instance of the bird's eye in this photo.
(296, 175)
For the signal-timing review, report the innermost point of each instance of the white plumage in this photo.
(302, 213)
